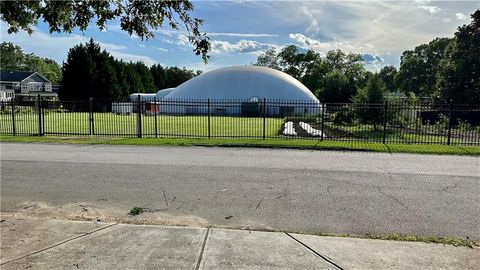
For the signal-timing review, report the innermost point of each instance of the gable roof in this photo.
(16, 76)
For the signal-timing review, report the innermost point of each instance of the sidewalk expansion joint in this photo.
(315, 252)
(203, 249)
(59, 243)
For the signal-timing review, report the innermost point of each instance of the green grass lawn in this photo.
(126, 125)
(268, 143)
(248, 129)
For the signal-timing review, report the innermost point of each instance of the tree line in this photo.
(90, 71)
(444, 70)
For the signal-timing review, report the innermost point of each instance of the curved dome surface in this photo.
(243, 82)
(164, 92)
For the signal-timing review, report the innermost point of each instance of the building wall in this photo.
(273, 109)
(6, 95)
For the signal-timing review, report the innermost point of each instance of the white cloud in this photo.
(313, 28)
(461, 16)
(431, 9)
(222, 47)
(422, 2)
(308, 42)
(251, 35)
(242, 46)
(162, 49)
(171, 33)
(324, 47)
(107, 46)
(182, 40)
(141, 45)
(390, 26)
(373, 60)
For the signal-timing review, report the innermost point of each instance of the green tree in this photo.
(387, 74)
(45, 66)
(89, 72)
(369, 102)
(171, 76)
(418, 68)
(290, 60)
(337, 88)
(350, 64)
(12, 57)
(138, 18)
(146, 78)
(159, 76)
(176, 76)
(124, 85)
(268, 59)
(134, 80)
(458, 77)
(334, 77)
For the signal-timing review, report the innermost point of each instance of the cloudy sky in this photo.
(241, 30)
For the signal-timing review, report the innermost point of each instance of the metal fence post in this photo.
(323, 121)
(385, 109)
(139, 117)
(39, 115)
(155, 115)
(450, 122)
(264, 115)
(43, 117)
(208, 111)
(91, 120)
(14, 128)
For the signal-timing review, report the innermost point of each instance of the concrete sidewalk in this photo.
(45, 243)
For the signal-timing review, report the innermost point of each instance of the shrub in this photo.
(343, 116)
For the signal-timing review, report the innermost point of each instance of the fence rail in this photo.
(390, 122)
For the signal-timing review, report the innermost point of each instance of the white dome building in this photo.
(241, 90)
(164, 92)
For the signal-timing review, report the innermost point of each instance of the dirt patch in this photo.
(95, 213)
(331, 132)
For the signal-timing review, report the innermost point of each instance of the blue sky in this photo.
(241, 30)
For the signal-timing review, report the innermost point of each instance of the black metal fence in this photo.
(400, 121)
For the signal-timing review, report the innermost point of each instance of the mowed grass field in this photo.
(197, 126)
(126, 125)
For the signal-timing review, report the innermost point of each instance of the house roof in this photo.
(15, 76)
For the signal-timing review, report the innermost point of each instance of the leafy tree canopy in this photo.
(458, 77)
(387, 74)
(12, 57)
(369, 101)
(310, 68)
(418, 67)
(136, 17)
(269, 59)
(337, 88)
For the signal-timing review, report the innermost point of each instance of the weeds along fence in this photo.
(401, 121)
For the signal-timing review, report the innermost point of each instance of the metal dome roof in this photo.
(243, 82)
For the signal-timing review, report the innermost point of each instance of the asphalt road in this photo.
(294, 190)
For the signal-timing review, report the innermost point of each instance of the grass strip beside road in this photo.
(268, 143)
